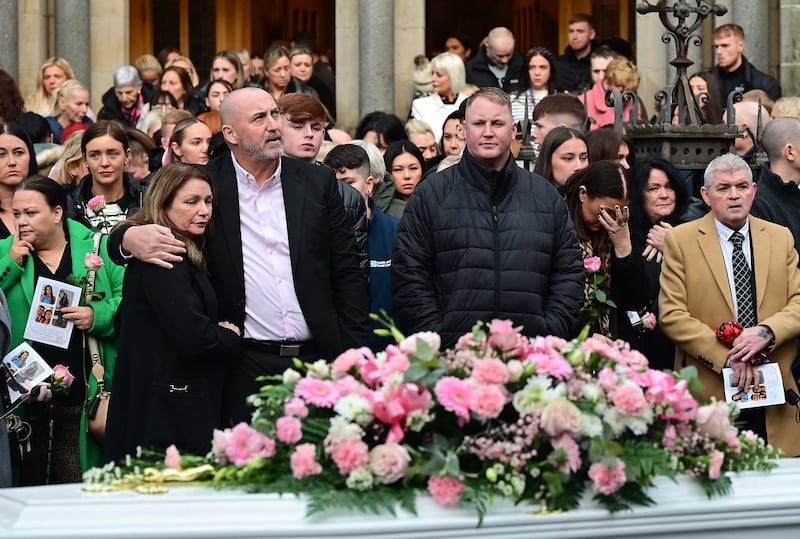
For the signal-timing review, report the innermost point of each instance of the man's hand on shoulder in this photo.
(154, 244)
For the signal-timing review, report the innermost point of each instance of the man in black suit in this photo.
(282, 255)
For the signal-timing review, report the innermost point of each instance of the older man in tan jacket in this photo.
(699, 292)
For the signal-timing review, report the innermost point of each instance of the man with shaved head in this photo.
(282, 256)
(496, 64)
(747, 119)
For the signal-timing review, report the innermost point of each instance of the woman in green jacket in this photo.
(49, 245)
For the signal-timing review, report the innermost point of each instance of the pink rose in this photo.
(561, 416)
(503, 335)
(432, 339)
(172, 460)
(490, 371)
(628, 399)
(713, 420)
(592, 264)
(454, 395)
(62, 375)
(649, 320)
(289, 429)
(445, 490)
(96, 203)
(607, 480)
(551, 364)
(350, 455)
(714, 469)
(487, 401)
(303, 461)
(92, 262)
(388, 462)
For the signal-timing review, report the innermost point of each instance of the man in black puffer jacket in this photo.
(485, 239)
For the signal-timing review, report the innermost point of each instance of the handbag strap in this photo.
(94, 349)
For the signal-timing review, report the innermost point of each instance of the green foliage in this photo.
(382, 500)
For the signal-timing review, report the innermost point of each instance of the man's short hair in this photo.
(582, 17)
(729, 29)
(377, 166)
(126, 76)
(778, 133)
(604, 51)
(568, 108)
(302, 108)
(349, 156)
(490, 93)
(727, 163)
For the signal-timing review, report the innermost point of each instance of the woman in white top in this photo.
(448, 81)
(539, 78)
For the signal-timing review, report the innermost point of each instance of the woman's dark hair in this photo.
(53, 194)
(465, 41)
(387, 125)
(524, 84)
(165, 52)
(553, 141)
(12, 105)
(400, 147)
(221, 82)
(639, 175)
(158, 94)
(600, 180)
(712, 113)
(186, 82)
(20, 133)
(604, 143)
(102, 128)
(36, 126)
(367, 123)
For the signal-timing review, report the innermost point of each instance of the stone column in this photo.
(376, 48)
(347, 64)
(110, 45)
(34, 48)
(409, 41)
(753, 17)
(9, 37)
(73, 39)
(790, 46)
(652, 58)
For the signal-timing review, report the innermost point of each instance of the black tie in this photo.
(742, 283)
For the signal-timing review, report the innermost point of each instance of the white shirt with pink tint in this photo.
(272, 311)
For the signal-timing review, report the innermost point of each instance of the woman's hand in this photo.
(82, 316)
(617, 227)
(655, 241)
(20, 250)
(231, 327)
(43, 393)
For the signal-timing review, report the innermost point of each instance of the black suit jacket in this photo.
(331, 288)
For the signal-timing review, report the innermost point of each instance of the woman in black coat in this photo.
(173, 352)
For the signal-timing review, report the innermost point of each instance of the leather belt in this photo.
(283, 348)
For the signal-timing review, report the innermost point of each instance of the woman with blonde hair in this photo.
(188, 65)
(448, 81)
(52, 74)
(70, 110)
(149, 69)
(72, 166)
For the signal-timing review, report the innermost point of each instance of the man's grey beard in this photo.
(259, 152)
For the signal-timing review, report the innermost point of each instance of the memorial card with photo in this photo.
(46, 323)
(767, 391)
(22, 370)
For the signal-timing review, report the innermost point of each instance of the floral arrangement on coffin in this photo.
(500, 415)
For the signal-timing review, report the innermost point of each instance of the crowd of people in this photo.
(239, 229)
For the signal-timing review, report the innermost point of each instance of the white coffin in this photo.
(765, 506)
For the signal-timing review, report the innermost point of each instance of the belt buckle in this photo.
(290, 350)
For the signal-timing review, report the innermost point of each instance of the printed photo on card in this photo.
(46, 322)
(22, 369)
(767, 391)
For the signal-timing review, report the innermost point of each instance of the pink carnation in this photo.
(592, 264)
(388, 462)
(487, 401)
(445, 490)
(572, 450)
(96, 203)
(596, 346)
(490, 371)
(553, 365)
(172, 459)
(607, 480)
(455, 395)
(350, 455)
(348, 385)
(670, 438)
(320, 393)
(245, 443)
(714, 469)
(628, 399)
(396, 361)
(303, 461)
(92, 262)
(295, 407)
(607, 378)
(503, 335)
(289, 429)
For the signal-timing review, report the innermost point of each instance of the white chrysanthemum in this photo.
(354, 408)
(319, 369)
(360, 479)
(342, 429)
(536, 392)
(592, 425)
(518, 483)
(614, 420)
(590, 391)
(417, 419)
